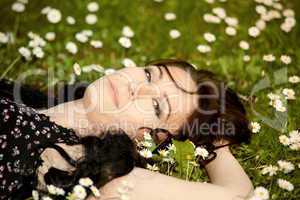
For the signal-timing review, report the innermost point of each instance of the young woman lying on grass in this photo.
(169, 99)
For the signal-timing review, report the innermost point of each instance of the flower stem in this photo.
(10, 67)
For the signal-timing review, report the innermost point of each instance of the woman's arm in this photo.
(149, 185)
(229, 181)
(225, 171)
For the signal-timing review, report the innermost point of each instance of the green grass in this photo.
(152, 41)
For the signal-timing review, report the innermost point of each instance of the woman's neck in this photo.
(70, 115)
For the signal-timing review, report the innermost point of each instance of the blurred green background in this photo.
(152, 41)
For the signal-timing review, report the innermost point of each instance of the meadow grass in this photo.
(152, 41)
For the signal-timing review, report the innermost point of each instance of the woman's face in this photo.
(137, 97)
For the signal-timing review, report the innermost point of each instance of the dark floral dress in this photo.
(24, 134)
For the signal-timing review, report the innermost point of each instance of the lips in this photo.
(114, 92)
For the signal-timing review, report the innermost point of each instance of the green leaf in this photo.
(184, 153)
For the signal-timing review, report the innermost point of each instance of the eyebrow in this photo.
(165, 95)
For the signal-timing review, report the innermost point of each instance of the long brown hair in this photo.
(229, 117)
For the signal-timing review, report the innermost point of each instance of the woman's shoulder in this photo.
(29, 121)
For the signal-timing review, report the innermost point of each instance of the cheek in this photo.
(137, 110)
(138, 113)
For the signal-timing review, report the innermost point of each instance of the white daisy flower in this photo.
(281, 109)
(286, 59)
(288, 13)
(220, 12)
(230, 31)
(71, 47)
(25, 52)
(152, 167)
(210, 1)
(147, 136)
(50, 36)
(70, 20)
(77, 69)
(38, 52)
(35, 195)
(79, 192)
(163, 153)
(231, 21)
(203, 48)
(98, 68)
(294, 79)
(269, 58)
(277, 104)
(254, 31)
(201, 152)
(96, 44)
(294, 136)
(209, 37)
(3, 38)
(286, 27)
(45, 10)
(32, 35)
(171, 147)
(255, 127)
(91, 19)
(289, 93)
(285, 166)
(209, 18)
(244, 45)
(93, 6)
(146, 144)
(283, 139)
(174, 34)
(127, 62)
(125, 42)
(270, 170)
(18, 7)
(146, 153)
(260, 24)
(295, 147)
(23, 1)
(87, 182)
(169, 16)
(37, 42)
(55, 190)
(290, 21)
(260, 9)
(246, 58)
(127, 32)
(273, 96)
(87, 32)
(284, 184)
(95, 191)
(261, 193)
(109, 71)
(54, 16)
(81, 37)
(46, 198)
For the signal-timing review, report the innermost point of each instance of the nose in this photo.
(137, 90)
